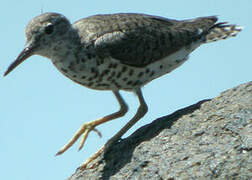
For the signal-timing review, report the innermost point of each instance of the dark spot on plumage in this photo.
(90, 79)
(129, 82)
(71, 67)
(90, 84)
(82, 60)
(105, 72)
(93, 70)
(113, 81)
(125, 79)
(98, 63)
(137, 82)
(74, 76)
(95, 75)
(109, 78)
(118, 75)
(161, 66)
(117, 85)
(83, 77)
(147, 70)
(99, 79)
(124, 68)
(56, 48)
(88, 46)
(152, 73)
(140, 74)
(113, 73)
(114, 65)
(135, 23)
(131, 72)
(64, 70)
(101, 61)
(89, 56)
(177, 61)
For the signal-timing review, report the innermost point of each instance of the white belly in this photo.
(112, 75)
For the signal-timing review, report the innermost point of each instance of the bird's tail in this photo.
(222, 31)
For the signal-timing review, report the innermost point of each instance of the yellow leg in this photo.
(142, 110)
(87, 127)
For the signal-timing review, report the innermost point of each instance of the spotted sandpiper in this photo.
(117, 52)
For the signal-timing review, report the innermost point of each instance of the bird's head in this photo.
(43, 34)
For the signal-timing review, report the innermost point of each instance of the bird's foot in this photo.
(104, 149)
(84, 131)
(92, 158)
(90, 126)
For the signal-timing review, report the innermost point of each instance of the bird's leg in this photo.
(142, 110)
(87, 127)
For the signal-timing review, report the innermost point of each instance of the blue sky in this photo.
(40, 109)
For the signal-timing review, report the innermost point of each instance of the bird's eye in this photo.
(49, 29)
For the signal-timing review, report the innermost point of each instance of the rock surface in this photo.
(211, 139)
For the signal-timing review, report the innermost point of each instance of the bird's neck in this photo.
(61, 49)
(73, 61)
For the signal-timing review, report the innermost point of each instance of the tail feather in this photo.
(222, 31)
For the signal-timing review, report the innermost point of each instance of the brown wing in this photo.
(138, 39)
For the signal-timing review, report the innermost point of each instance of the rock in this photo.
(211, 139)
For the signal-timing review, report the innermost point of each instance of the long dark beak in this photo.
(27, 52)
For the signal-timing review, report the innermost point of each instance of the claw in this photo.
(84, 130)
(98, 132)
(93, 157)
(86, 133)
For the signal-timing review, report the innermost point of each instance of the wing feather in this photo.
(139, 39)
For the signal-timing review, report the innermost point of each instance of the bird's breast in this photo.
(111, 74)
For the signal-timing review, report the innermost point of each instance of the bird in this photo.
(114, 52)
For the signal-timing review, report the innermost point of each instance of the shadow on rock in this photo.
(120, 153)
